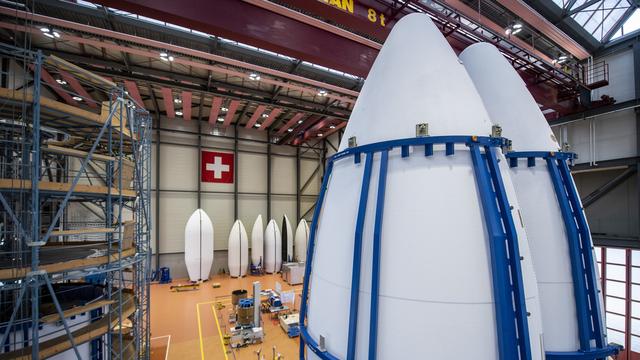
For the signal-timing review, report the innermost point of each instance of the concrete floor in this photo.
(183, 324)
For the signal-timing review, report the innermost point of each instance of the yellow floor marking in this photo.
(200, 331)
(215, 316)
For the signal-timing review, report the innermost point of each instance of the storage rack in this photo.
(74, 213)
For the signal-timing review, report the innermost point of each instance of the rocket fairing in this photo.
(436, 298)
(257, 243)
(510, 105)
(238, 250)
(272, 248)
(198, 245)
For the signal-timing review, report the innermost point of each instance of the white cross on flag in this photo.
(217, 167)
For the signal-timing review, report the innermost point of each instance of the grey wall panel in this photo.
(175, 210)
(178, 166)
(307, 168)
(621, 78)
(252, 173)
(219, 207)
(616, 213)
(283, 175)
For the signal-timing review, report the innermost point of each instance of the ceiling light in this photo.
(257, 125)
(61, 82)
(164, 56)
(322, 92)
(224, 109)
(299, 121)
(290, 130)
(265, 115)
(507, 31)
(50, 33)
(254, 76)
(319, 134)
(517, 26)
(171, 58)
(179, 113)
(332, 127)
(77, 98)
(220, 119)
(177, 101)
(516, 31)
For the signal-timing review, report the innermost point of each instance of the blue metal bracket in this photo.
(511, 316)
(585, 281)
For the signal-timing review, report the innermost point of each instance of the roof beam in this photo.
(167, 99)
(273, 115)
(233, 106)
(535, 20)
(216, 103)
(585, 5)
(158, 45)
(77, 87)
(614, 29)
(292, 122)
(254, 118)
(134, 92)
(56, 87)
(186, 105)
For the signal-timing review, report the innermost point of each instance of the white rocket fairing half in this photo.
(272, 248)
(238, 250)
(435, 290)
(510, 105)
(198, 245)
(257, 243)
(301, 240)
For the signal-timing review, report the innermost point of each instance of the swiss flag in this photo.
(217, 167)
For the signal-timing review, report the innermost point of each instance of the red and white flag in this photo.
(217, 167)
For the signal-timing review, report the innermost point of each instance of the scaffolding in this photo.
(75, 213)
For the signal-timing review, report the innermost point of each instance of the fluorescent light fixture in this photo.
(516, 31)
(179, 113)
(45, 29)
(164, 54)
(299, 121)
(257, 125)
(220, 119)
(224, 109)
(319, 134)
(517, 26)
(265, 115)
(50, 33)
(177, 101)
(290, 130)
(77, 98)
(254, 76)
(61, 82)
(507, 31)
(322, 92)
(332, 127)
(171, 58)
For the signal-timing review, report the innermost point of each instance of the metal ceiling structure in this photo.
(290, 67)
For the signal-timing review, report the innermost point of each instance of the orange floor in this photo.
(183, 324)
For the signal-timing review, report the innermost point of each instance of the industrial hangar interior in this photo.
(320, 179)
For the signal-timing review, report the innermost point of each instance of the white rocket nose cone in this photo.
(507, 99)
(416, 78)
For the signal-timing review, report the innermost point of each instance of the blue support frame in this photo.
(511, 316)
(589, 316)
(377, 249)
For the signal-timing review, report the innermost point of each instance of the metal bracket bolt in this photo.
(422, 130)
